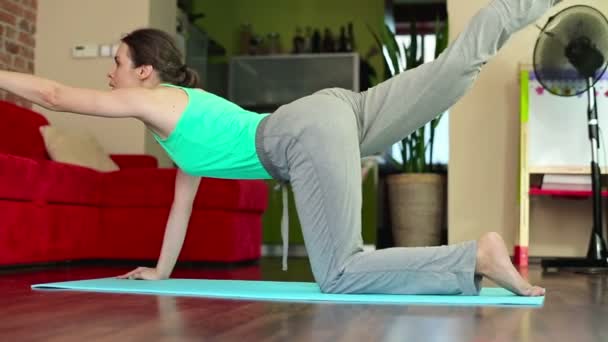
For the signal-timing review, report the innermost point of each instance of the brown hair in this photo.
(157, 48)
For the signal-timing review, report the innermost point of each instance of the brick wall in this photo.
(17, 40)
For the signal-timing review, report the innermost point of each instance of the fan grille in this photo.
(581, 30)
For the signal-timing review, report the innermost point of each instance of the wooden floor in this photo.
(576, 309)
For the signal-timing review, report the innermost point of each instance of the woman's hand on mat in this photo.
(144, 273)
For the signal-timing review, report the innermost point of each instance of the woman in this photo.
(315, 143)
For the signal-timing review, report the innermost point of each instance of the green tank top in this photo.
(214, 138)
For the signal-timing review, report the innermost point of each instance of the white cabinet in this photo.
(273, 80)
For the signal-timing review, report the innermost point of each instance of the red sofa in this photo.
(51, 211)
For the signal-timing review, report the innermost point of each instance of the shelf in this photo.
(563, 193)
(576, 170)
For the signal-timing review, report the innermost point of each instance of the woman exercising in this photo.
(315, 143)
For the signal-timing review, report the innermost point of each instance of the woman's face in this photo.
(123, 74)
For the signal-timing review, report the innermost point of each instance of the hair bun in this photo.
(191, 78)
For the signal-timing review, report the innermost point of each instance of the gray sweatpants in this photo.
(316, 143)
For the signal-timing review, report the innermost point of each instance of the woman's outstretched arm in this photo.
(128, 102)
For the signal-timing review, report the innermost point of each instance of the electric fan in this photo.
(569, 59)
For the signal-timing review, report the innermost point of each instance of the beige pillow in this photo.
(76, 148)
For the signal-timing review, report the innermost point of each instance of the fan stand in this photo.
(597, 256)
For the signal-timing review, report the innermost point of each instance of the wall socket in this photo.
(105, 50)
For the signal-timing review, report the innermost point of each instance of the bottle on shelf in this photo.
(274, 43)
(256, 46)
(308, 40)
(298, 41)
(342, 40)
(245, 36)
(328, 44)
(316, 42)
(350, 42)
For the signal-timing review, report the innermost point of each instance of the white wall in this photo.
(484, 152)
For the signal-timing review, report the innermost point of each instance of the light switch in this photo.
(85, 51)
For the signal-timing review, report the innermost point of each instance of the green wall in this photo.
(223, 19)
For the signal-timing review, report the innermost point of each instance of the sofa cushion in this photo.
(23, 233)
(225, 194)
(212, 235)
(20, 135)
(134, 161)
(147, 187)
(154, 187)
(69, 184)
(77, 148)
(18, 177)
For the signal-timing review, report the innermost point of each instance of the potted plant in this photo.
(417, 192)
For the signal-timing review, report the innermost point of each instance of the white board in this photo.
(558, 130)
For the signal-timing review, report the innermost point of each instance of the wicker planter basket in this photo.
(417, 208)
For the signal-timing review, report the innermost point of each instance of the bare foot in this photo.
(493, 262)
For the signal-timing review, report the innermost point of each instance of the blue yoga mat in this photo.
(282, 291)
